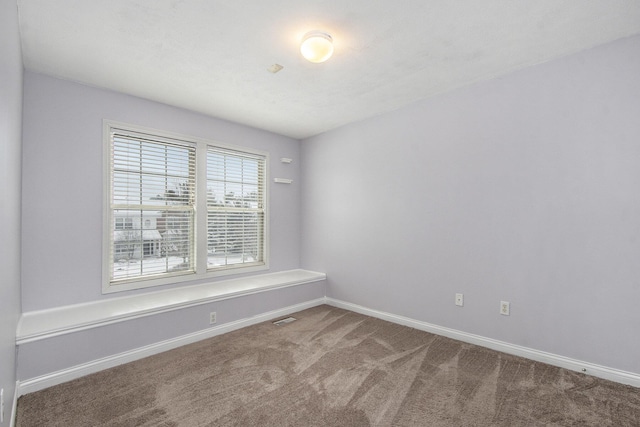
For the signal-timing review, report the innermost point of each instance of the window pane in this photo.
(148, 241)
(234, 237)
(162, 245)
(235, 221)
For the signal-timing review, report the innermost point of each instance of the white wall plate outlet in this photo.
(212, 317)
(504, 308)
(459, 300)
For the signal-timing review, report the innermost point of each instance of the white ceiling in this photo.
(212, 56)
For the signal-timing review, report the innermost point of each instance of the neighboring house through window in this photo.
(124, 223)
(180, 208)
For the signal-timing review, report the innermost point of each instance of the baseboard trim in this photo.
(38, 383)
(599, 371)
(14, 406)
(34, 384)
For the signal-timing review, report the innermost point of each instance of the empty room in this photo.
(320, 213)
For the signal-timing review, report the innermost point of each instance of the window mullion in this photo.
(201, 231)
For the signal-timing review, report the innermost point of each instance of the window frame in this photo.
(200, 216)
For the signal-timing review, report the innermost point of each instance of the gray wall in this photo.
(525, 188)
(10, 161)
(63, 175)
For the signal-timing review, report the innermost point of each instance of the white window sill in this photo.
(42, 324)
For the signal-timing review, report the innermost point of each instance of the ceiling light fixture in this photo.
(316, 46)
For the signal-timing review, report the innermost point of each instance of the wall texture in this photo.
(62, 184)
(10, 161)
(523, 188)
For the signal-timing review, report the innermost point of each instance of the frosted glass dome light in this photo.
(316, 46)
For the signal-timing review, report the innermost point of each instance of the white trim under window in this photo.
(179, 208)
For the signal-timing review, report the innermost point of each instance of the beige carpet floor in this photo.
(332, 367)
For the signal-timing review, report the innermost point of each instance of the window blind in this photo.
(235, 208)
(179, 208)
(152, 206)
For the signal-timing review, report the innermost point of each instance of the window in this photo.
(180, 209)
(235, 208)
(124, 223)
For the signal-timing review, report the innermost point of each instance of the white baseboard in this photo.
(599, 371)
(59, 377)
(14, 406)
(34, 384)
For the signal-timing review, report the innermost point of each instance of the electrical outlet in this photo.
(504, 308)
(459, 300)
(212, 317)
